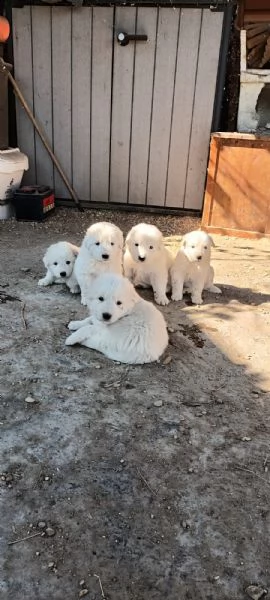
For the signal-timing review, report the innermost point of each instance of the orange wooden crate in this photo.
(237, 196)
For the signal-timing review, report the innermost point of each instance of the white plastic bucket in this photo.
(13, 163)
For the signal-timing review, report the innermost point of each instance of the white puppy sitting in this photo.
(147, 261)
(122, 325)
(59, 261)
(192, 269)
(101, 251)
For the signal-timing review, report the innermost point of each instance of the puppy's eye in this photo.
(101, 298)
(205, 247)
(151, 247)
(136, 244)
(67, 262)
(118, 303)
(55, 264)
(97, 243)
(192, 246)
(112, 243)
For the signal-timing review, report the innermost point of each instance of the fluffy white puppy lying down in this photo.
(147, 261)
(122, 325)
(101, 251)
(59, 261)
(192, 269)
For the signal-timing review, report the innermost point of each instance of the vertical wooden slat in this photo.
(22, 43)
(102, 46)
(188, 47)
(142, 103)
(61, 90)
(81, 100)
(203, 108)
(42, 89)
(121, 106)
(167, 36)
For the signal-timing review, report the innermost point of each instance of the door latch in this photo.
(124, 38)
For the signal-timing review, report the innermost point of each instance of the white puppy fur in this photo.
(147, 261)
(192, 269)
(59, 261)
(101, 251)
(122, 325)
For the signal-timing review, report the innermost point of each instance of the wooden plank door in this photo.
(130, 125)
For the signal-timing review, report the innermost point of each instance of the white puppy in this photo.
(147, 261)
(192, 269)
(122, 325)
(101, 251)
(59, 261)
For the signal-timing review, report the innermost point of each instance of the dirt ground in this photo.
(145, 482)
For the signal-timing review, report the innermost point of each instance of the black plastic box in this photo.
(33, 203)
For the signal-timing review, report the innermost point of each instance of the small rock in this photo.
(97, 367)
(83, 593)
(51, 565)
(171, 330)
(190, 470)
(246, 439)
(186, 524)
(46, 478)
(167, 360)
(82, 582)
(256, 592)
(158, 403)
(41, 524)
(50, 531)
(37, 553)
(30, 400)
(9, 478)
(25, 269)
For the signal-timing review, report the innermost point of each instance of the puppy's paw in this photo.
(74, 325)
(43, 282)
(215, 290)
(75, 289)
(69, 341)
(196, 299)
(177, 297)
(83, 301)
(162, 300)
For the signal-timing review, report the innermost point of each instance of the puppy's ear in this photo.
(121, 241)
(88, 242)
(46, 260)
(128, 238)
(134, 296)
(212, 243)
(184, 242)
(74, 249)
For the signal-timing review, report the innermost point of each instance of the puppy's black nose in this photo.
(142, 258)
(199, 257)
(106, 316)
(63, 274)
(105, 256)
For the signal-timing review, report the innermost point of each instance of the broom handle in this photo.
(40, 133)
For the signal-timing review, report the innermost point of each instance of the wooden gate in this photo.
(129, 124)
